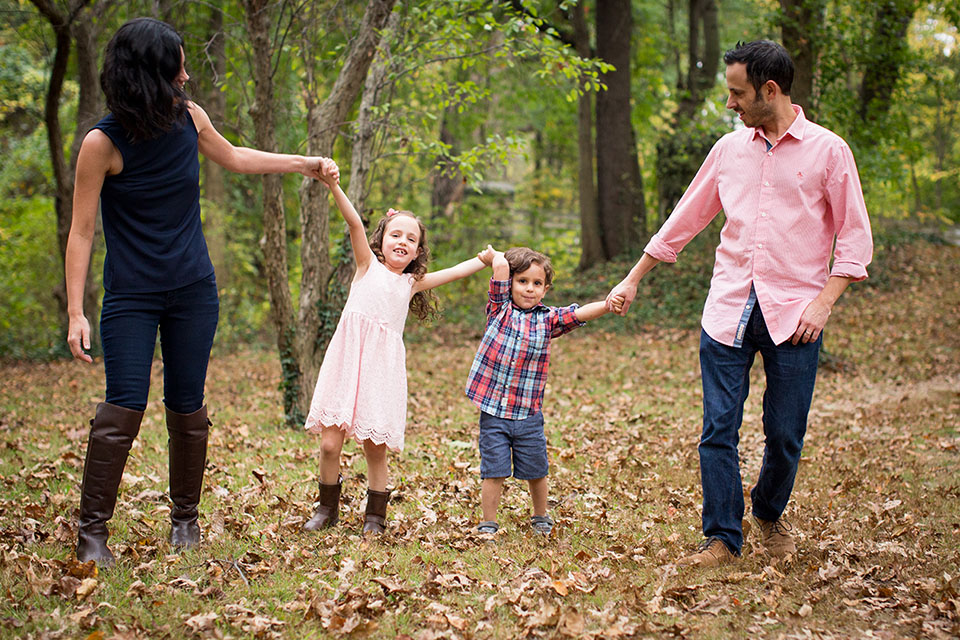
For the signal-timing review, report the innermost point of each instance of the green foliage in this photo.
(30, 323)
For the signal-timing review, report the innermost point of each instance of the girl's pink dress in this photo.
(362, 386)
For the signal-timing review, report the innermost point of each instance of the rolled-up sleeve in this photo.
(854, 244)
(698, 206)
(564, 320)
(498, 295)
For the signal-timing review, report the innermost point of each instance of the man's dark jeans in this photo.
(791, 371)
(187, 321)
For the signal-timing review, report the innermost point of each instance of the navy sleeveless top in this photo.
(151, 212)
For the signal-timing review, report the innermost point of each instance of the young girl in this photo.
(362, 387)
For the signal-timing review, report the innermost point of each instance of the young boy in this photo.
(508, 375)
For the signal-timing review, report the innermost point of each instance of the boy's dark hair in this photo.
(765, 60)
(141, 62)
(424, 304)
(520, 259)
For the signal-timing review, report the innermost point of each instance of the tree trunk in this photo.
(74, 24)
(680, 154)
(886, 52)
(620, 205)
(274, 241)
(214, 180)
(447, 182)
(591, 245)
(703, 55)
(801, 29)
(302, 336)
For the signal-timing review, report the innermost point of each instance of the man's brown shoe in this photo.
(776, 537)
(712, 552)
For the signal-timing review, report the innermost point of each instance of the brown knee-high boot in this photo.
(112, 432)
(188, 455)
(328, 508)
(376, 515)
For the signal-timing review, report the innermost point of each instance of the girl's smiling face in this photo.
(401, 242)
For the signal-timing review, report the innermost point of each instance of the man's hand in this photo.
(619, 299)
(812, 321)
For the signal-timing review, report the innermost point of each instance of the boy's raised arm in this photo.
(501, 268)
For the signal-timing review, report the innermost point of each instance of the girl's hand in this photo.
(327, 171)
(322, 169)
(78, 337)
(486, 256)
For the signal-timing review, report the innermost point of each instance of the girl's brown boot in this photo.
(376, 515)
(328, 508)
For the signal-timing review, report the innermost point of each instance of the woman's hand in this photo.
(323, 169)
(78, 337)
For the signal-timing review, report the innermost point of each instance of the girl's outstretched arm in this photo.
(358, 234)
(462, 270)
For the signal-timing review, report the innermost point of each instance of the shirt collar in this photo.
(796, 130)
(538, 307)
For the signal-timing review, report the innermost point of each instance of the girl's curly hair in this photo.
(140, 64)
(424, 304)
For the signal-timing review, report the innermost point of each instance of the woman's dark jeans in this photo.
(791, 371)
(187, 321)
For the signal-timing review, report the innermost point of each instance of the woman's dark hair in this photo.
(141, 62)
(423, 304)
(520, 259)
(765, 60)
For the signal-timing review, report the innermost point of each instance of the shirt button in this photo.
(763, 214)
(759, 246)
(769, 153)
(766, 184)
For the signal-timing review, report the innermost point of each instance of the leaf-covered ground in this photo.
(876, 506)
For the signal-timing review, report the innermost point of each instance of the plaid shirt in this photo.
(510, 369)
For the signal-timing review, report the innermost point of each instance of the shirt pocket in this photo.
(537, 341)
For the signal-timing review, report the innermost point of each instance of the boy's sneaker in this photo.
(488, 526)
(712, 552)
(776, 537)
(542, 524)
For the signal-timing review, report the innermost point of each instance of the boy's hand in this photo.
(615, 304)
(486, 256)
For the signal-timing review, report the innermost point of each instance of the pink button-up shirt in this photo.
(784, 206)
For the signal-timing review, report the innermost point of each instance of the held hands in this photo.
(78, 337)
(614, 303)
(620, 297)
(487, 255)
(324, 170)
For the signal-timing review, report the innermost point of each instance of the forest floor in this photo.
(876, 507)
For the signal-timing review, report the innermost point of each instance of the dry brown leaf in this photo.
(572, 623)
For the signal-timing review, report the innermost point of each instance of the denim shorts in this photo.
(524, 438)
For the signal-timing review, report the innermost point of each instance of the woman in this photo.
(140, 163)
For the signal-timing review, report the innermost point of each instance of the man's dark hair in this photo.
(765, 60)
(139, 67)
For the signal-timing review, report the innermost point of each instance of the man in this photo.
(788, 188)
